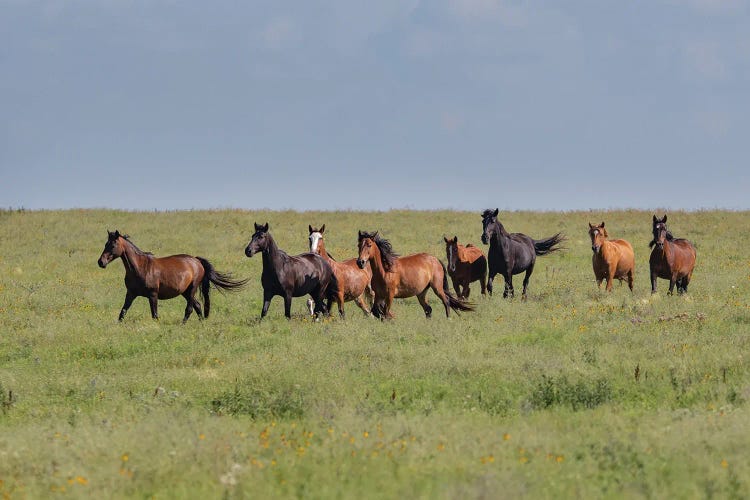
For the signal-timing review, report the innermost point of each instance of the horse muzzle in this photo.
(452, 268)
(102, 263)
(249, 252)
(484, 239)
(595, 248)
(361, 263)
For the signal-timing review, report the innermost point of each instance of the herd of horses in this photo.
(378, 274)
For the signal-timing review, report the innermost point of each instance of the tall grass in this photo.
(573, 392)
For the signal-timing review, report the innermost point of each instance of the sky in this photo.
(375, 105)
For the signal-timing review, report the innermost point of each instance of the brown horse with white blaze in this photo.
(466, 264)
(672, 258)
(394, 276)
(164, 277)
(612, 259)
(353, 282)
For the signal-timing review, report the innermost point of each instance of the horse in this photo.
(466, 264)
(513, 253)
(612, 259)
(394, 276)
(671, 258)
(290, 276)
(353, 282)
(165, 277)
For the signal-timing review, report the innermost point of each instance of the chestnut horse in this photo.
(511, 254)
(164, 277)
(672, 258)
(353, 282)
(612, 259)
(290, 276)
(400, 277)
(466, 264)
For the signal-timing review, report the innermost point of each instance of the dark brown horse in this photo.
(164, 277)
(672, 258)
(513, 253)
(291, 276)
(612, 259)
(466, 264)
(400, 277)
(353, 282)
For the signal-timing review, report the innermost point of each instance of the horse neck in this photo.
(322, 250)
(273, 256)
(133, 260)
(376, 260)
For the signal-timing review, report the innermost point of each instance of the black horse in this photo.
(291, 276)
(512, 253)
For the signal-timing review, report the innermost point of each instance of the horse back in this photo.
(173, 274)
(684, 254)
(469, 254)
(415, 272)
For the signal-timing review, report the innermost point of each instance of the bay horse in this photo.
(513, 253)
(672, 258)
(164, 277)
(466, 264)
(290, 276)
(394, 276)
(612, 259)
(353, 282)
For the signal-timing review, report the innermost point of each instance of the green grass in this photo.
(573, 392)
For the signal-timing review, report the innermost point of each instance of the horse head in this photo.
(489, 224)
(598, 234)
(661, 233)
(451, 252)
(113, 248)
(260, 240)
(316, 236)
(365, 244)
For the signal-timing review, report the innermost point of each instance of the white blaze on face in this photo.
(314, 240)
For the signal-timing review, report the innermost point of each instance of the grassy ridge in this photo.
(572, 392)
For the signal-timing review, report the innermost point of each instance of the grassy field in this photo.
(573, 392)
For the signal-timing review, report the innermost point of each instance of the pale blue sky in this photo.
(342, 104)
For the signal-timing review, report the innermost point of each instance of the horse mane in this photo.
(387, 254)
(488, 213)
(330, 256)
(137, 250)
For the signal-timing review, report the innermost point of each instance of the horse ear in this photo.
(265, 228)
(664, 220)
(117, 233)
(446, 239)
(455, 239)
(310, 229)
(497, 211)
(257, 226)
(359, 235)
(322, 229)
(591, 226)
(602, 224)
(655, 219)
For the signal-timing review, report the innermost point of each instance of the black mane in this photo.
(137, 250)
(386, 250)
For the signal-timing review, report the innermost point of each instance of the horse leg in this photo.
(311, 306)
(508, 286)
(526, 280)
(339, 302)
(483, 283)
(361, 304)
(288, 305)
(456, 286)
(129, 298)
(422, 297)
(686, 282)
(466, 291)
(653, 281)
(611, 276)
(489, 283)
(153, 301)
(266, 302)
(672, 282)
(188, 307)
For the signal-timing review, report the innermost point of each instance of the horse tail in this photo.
(549, 245)
(454, 302)
(221, 281)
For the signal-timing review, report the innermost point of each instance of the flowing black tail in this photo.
(549, 245)
(454, 302)
(220, 280)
